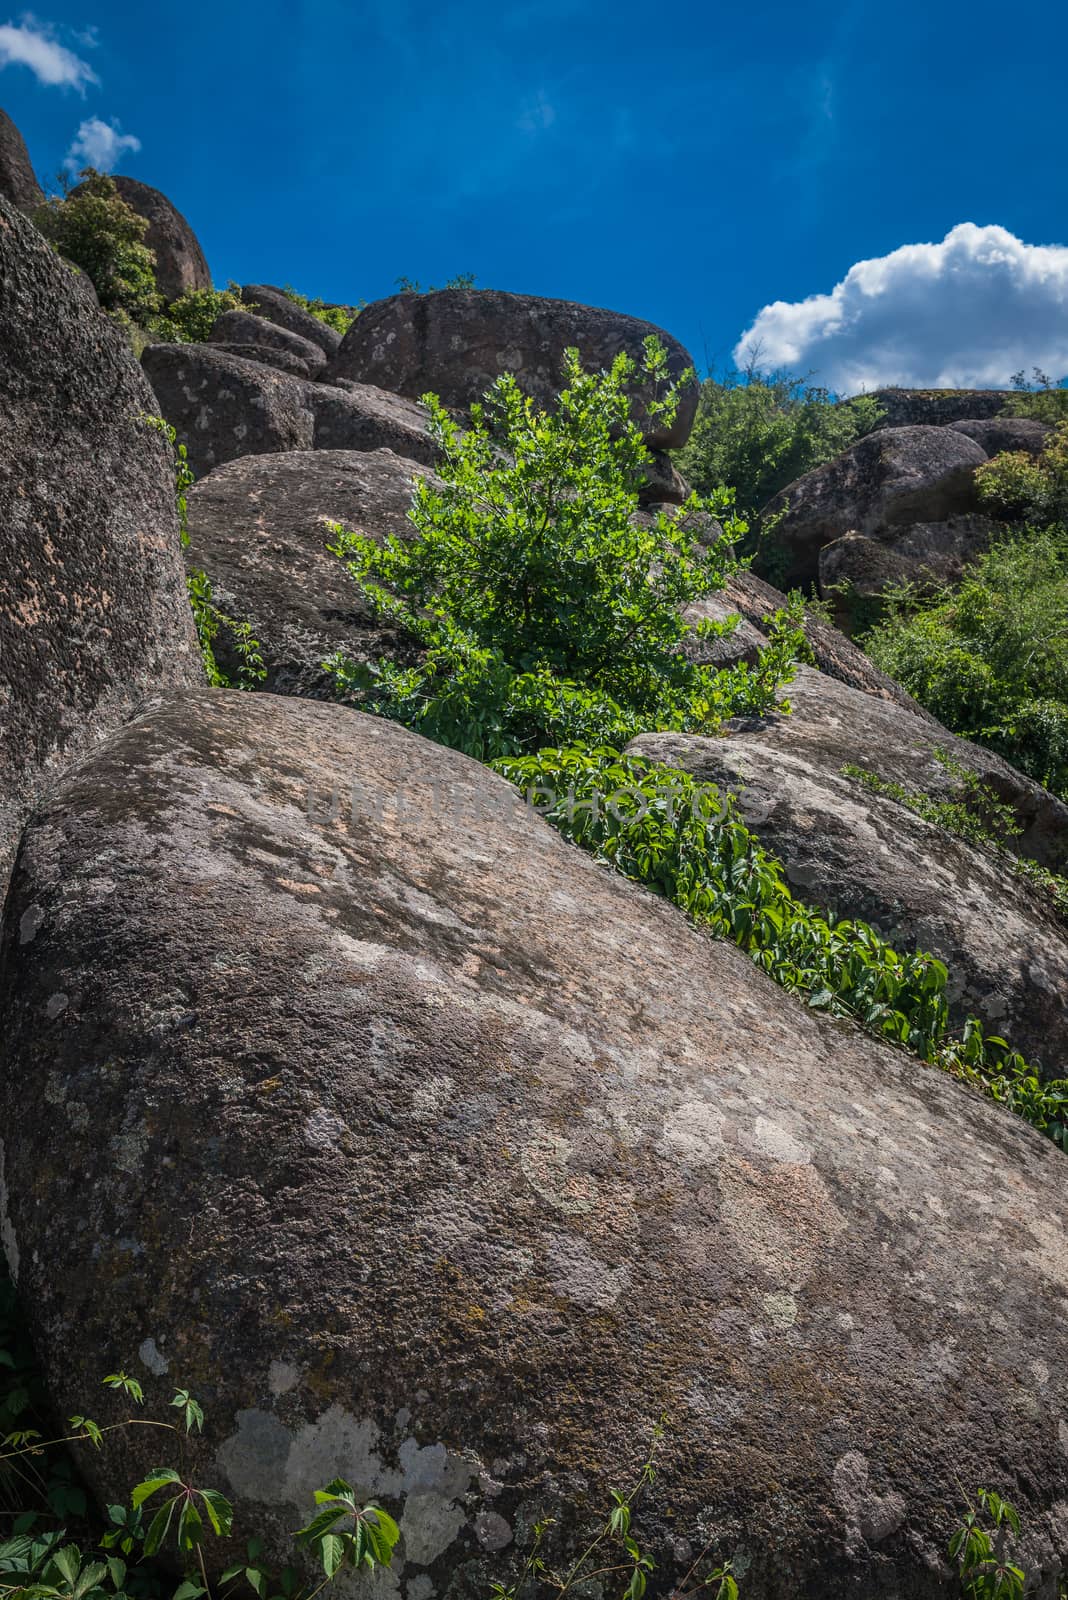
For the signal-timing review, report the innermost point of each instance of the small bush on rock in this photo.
(336, 317)
(547, 609)
(990, 659)
(94, 227)
(190, 318)
(1038, 397)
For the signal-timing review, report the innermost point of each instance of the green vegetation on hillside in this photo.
(756, 432)
(547, 612)
(990, 658)
(549, 619)
(103, 236)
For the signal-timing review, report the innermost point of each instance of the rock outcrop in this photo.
(266, 356)
(339, 1087)
(928, 555)
(18, 182)
(241, 327)
(180, 263)
(862, 855)
(937, 408)
(880, 487)
(1006, 433)
(93, 607)
(259, 527)
(277, 307)
(833, 725)
(223, 407)
(456, 342)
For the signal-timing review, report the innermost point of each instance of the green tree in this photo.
(92, 225)
(756, 432)
(548, 609)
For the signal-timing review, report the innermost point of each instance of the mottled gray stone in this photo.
(259, 526)
(456, 342)
(589, 1166)
(224, 407)
(180, 263)
(93, 608)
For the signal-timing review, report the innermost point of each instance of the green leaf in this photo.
(159, 1526)
(331, 1553)
(156, 1479)
(190, 1526)
(220, 1511)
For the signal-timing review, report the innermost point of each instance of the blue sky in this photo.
(691, 164)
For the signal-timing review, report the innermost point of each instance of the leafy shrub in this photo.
(94, 227)
(756, 432)
(548, 611)
(337, 317)
(981, 1548)
(990, 660)
(1040, 398)
(1018, 488)
(685, 840)
(190, 318)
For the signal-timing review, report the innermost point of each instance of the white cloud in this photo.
(33, 44)
(99, 144)
(965, 313)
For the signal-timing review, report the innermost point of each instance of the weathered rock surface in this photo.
(456, 342)
(833, 725)
(743, 644)
(180, 263)
(277, 307)
(429, 1152)
(1006, 433)
(859, 854)
(937, 408)
(93, 608)
(241, 327)
(18, 182)
(927, 554)
(834, 654)
(664, 483)
(258, 526)
(266, 356)
(224, 407)
(879, 487)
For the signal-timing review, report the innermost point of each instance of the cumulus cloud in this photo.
(965, 313)
(99, 144)
(33, 44)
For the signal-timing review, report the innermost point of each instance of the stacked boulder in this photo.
(93, 607)
(899, 505)
(336, 1085)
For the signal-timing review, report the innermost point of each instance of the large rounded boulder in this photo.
(260, 527)
(426, 1151)
(861, 854)
(936, 408)
(18, 182)
(241, 327)
(456, 342)
(93, 606)
(180, 263)
(880, 486)
(279, 308)
(224, 406)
